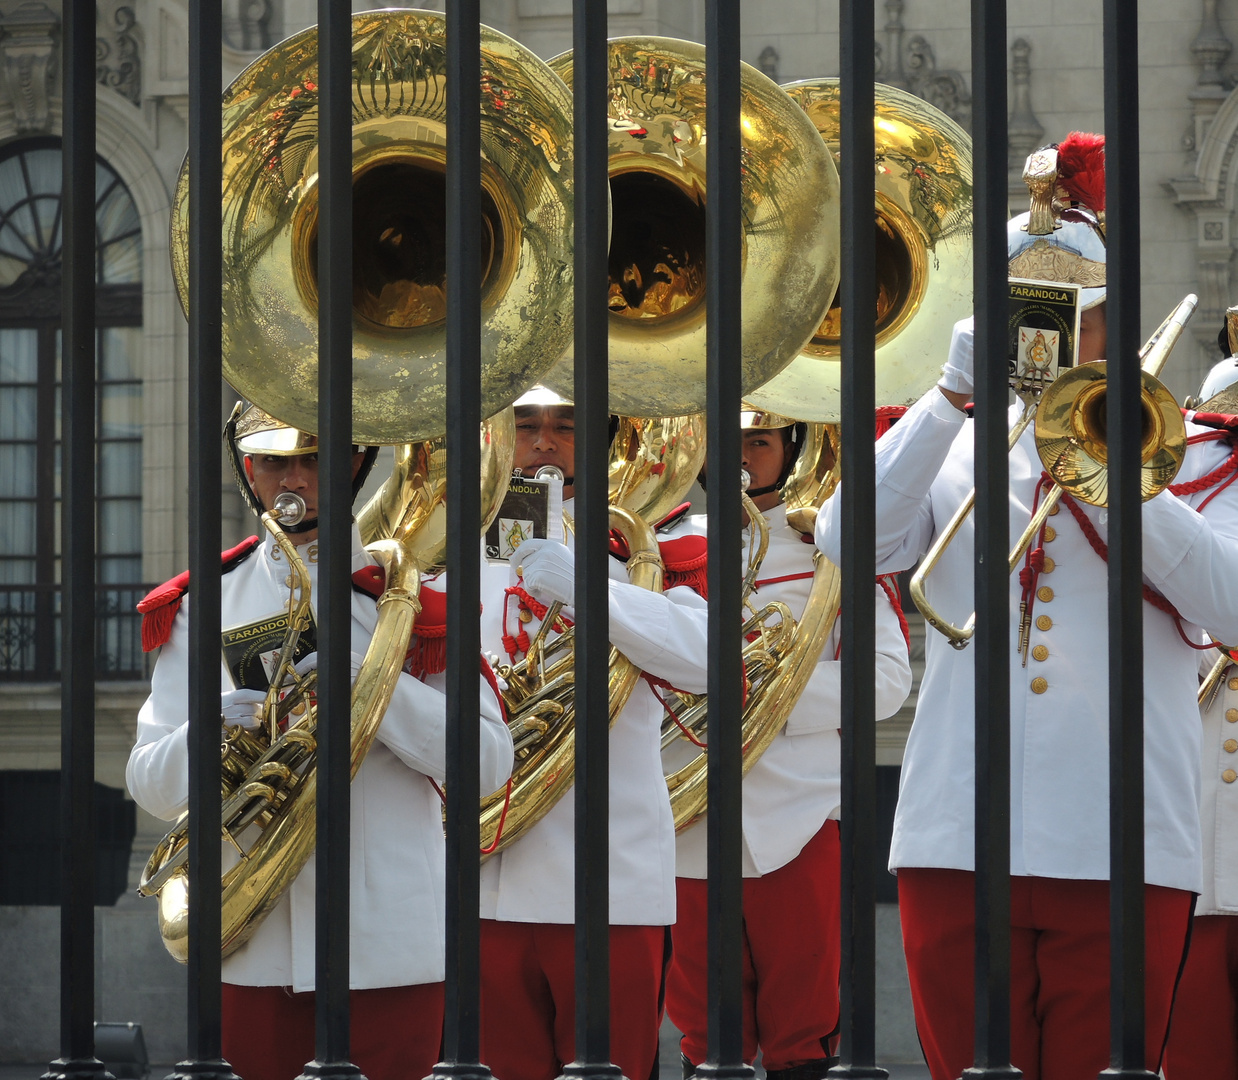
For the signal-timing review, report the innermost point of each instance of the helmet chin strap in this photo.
(301, 526)
(752, 493)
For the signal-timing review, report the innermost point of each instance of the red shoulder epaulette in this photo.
(370, 580)
(159, 606)
(886, 417)
(685, 559)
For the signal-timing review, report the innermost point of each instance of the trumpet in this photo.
(1070, 438)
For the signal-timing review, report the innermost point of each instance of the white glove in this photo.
(958, 373)
(548, 569)
(241, 708)
(309, 663)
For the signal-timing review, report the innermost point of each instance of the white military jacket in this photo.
(398, 852)
(1219, 796)
(795, 785)
(1059, 804)
(533, 880)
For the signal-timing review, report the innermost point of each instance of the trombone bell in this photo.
(1072, 434)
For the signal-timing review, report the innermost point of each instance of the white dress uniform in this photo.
(398, 851)
(1059, 802)
(1219, 797)
(795, 786)
(533, 880)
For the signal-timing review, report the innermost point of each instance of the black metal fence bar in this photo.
(334, 807)
(724, 312)
(461, 1036)
(859, 795)
(992, 584)
(77, 746)
(205, 539)
(592, 789)
(1126, 668)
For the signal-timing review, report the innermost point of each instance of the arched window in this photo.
(30, 299)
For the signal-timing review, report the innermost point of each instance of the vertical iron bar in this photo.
(724, 310)
(592, 788)
(992, 583)
(1126, 674)
(205, 540)
(334, 809)
(857, 998)
(77, 688)
(461, 1040)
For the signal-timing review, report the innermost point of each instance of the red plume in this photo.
(1081, 169)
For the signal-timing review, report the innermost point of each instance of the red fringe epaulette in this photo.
(1081, 169)
(686, 559)
(159, 606)
(885, 418)
(427, 648)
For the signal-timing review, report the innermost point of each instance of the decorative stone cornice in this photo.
(28, 53)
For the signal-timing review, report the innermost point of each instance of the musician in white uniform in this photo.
(528, 888)
(1059, 713)
(791, 802)
(1203, 1038)
(397, 883)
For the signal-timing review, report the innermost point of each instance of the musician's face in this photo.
(273, 474)
(546, 435)
(766, 452)
(1093, 334)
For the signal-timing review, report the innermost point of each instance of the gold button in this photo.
(1041, 652)
(1054, 509)
(1233, 684)
(1050, 533)
(1231, 746)
(288, 581)
(1043, 622)
(1049, 566)
(1039, 685)
(1044, 593)
(526, 615)
(1229, 776)
(1231, 715)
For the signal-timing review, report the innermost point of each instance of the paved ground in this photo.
(34, 1071)
(669, 1062)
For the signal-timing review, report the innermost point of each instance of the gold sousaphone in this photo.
(270, 355)
(922, 237)
(270, 216)
(657, 147)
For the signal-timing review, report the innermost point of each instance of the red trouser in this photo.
(1203, 1039)
(396, 1031)
(528, 998)
(791, 947)
(1059, 970)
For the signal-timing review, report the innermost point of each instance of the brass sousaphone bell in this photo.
(657, 147)
(270, 223)
(922, 239)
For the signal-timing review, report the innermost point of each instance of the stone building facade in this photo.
(1189, 135)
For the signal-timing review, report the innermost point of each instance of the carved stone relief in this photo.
(118, 57)
(911, 65)
(29, 49)
(1208, 187)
